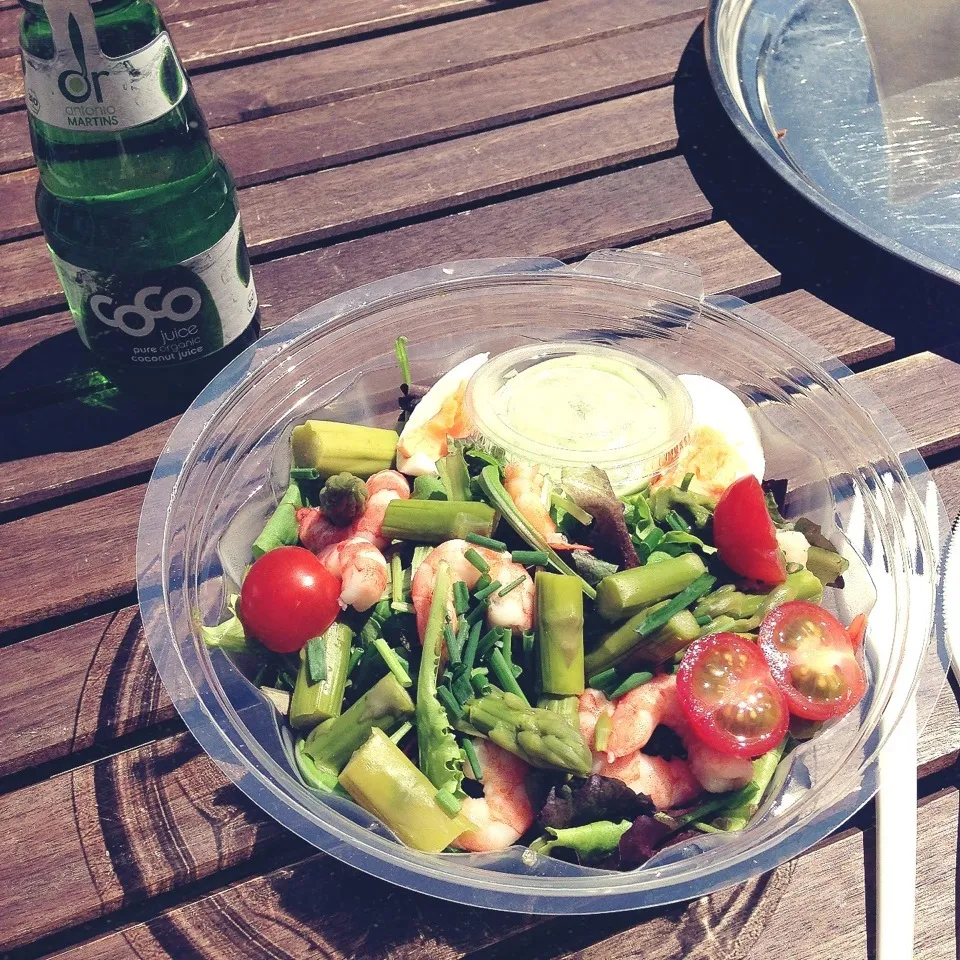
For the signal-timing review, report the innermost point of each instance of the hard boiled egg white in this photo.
(417, 452)
(723, 443)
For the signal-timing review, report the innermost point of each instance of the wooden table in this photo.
(370, 137)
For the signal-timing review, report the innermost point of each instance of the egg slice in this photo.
(439, 414)
(723, 443)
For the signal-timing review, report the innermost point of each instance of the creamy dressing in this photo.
(583, 403)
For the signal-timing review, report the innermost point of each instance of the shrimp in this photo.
(382, 487)
(638, 714)
(514, 609)
(316, 532)
(668, 783)
(511, 611)
(593, 704)
(524, 483)
(362, 570)
(504, 812)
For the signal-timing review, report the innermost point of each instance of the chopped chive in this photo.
(482, 582)
(480, 683)
(685, 482)
(401, 731)
(488, 542)
(463, 635)
(470, 753)
(723, 801)
(420, 553)
(449, 701)
(304, 473)
(396, 579)
(453, 643)
(450, 804)
(317, 659)
(402, 607)
(601, 733)
(676, 522)
(529, 651)
(631, 683)
(706, 828)
(474, 558)
(461, 597)
(487, 590)
(511, 586)
(653, 537)
(504, 675)
(702, 585)
(382, 610)
(605, 680)
(355, 654)
(393, 662)
(531, 558)
(470, 648)
(568, 506)
(460, 686)
(488, 642)
(402, 360)
(704, 620)
(370, 631)
(476, 614)
(506, 645)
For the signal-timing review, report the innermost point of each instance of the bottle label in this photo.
(81, 89)
(165, 316)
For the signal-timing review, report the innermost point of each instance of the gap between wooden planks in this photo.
(455, 173)
(91, 692)
(349, 130)
(277, 25)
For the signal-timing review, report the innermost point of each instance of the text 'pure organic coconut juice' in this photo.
(139, 212)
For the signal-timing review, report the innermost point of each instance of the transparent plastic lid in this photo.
(573, 405)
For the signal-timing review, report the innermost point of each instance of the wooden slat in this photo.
(270, 27)
(413, 115)
(276, 25)
(566, 222)
(15, 151)
(98, 683)
(172, 11)
(373, 192)
(106, 835)
(829, 326)
(28, 552)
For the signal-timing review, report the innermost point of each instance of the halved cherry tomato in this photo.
(812, 660)
(857, 629)
(744, 535)
(287, 598)
(729, 697)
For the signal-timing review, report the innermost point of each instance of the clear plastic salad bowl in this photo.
(850, 466)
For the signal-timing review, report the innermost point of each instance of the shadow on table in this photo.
(810, 249)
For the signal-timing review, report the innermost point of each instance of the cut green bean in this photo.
(490, 543)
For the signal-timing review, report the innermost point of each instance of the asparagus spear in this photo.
(566, 707)
(746, 608)
(382, 780)
(331, 448)
(540, 737)
(281, 529)
(331, 744)
(313, 703)
(623, 594)
(440, 757)
(625, 642)
(343, 498)
(559, 633)
(737, 817)
(435, 521)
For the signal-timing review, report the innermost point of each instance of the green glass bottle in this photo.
(139, 213)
